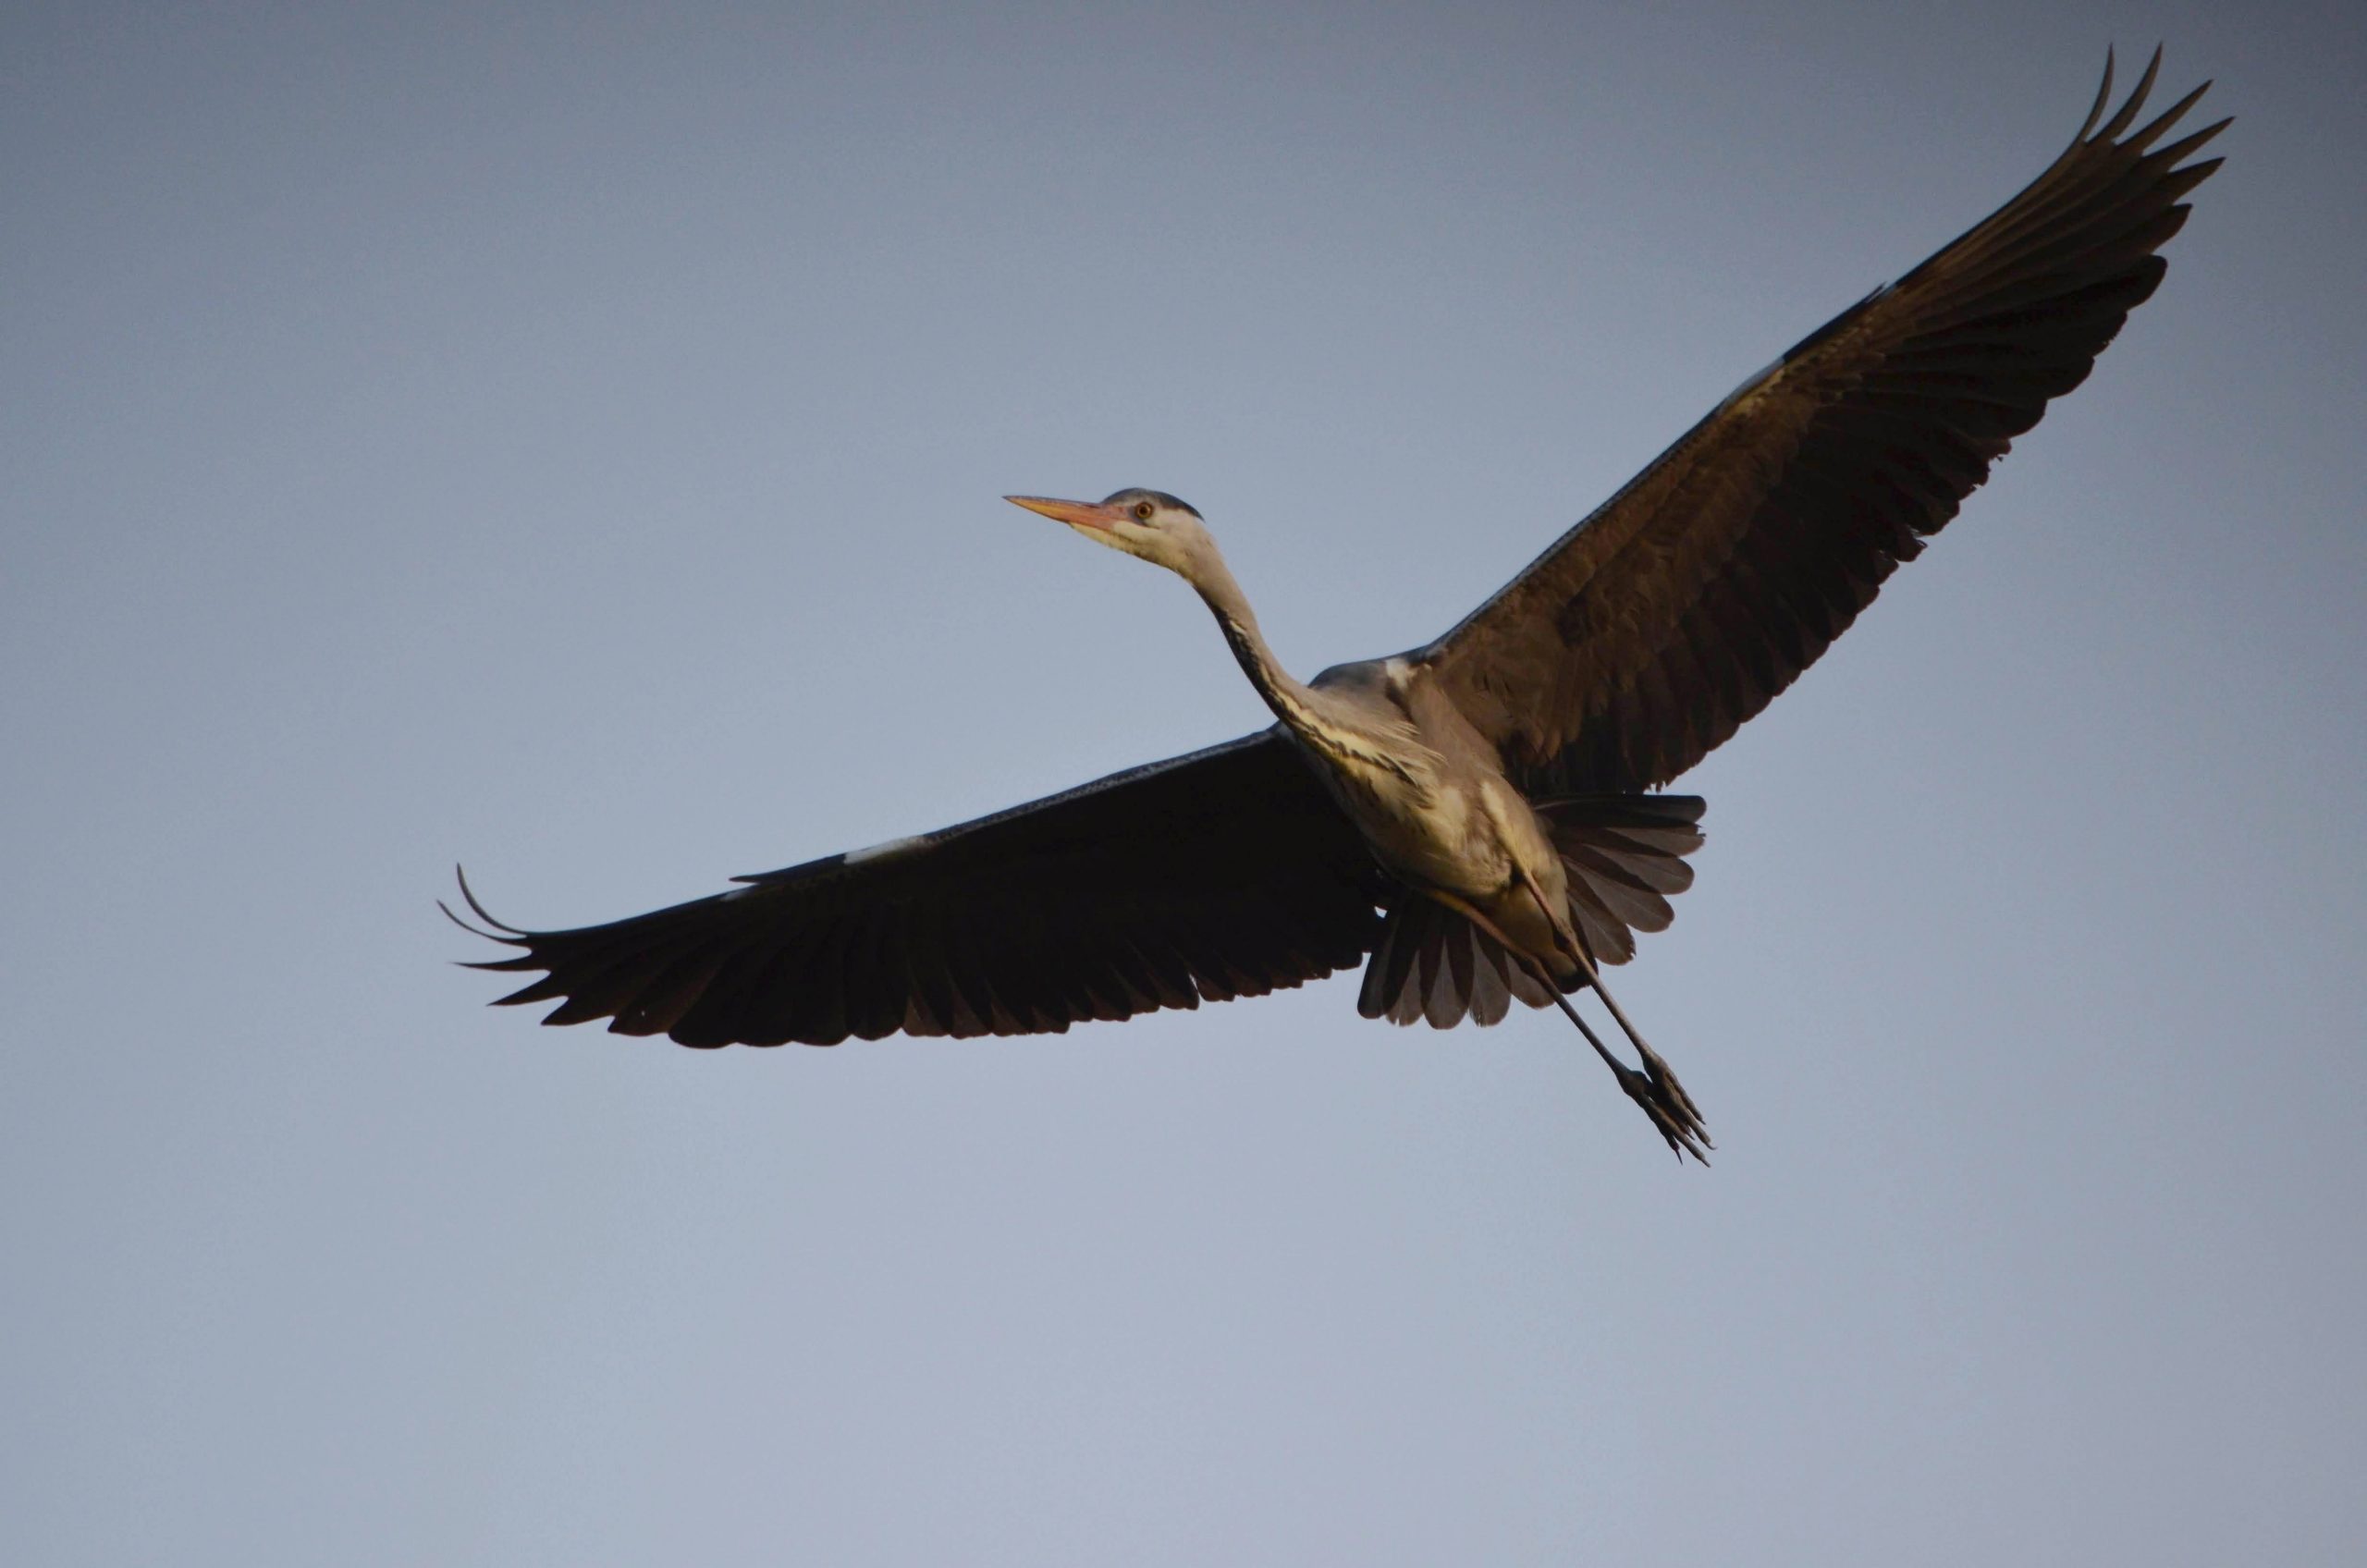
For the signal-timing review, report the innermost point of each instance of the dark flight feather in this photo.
(1648, 633)
(1634, 645)
(1223, 874)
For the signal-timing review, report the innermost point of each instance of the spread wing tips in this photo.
(2152, 131)
(2103, 97)
(2136, 99)
(2112, 136)
(502, 931)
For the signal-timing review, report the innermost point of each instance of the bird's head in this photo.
(1149, 524)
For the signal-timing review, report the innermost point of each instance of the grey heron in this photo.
(1474, 821)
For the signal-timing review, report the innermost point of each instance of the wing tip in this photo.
(2103, 97)
(502, 931)
(2096, 128)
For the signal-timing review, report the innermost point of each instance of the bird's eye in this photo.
(1143, 511)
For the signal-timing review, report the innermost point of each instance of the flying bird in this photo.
(1473, 821)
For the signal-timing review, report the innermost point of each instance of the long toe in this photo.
(1672, 1115)
(1665, 1076)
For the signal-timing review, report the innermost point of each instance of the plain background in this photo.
(569, 441)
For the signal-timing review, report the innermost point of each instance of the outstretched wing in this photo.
(1653, 628)
(1226, 872)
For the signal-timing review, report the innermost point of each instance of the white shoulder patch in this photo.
(1749, 383)
(882, 852)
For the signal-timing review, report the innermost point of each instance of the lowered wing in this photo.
(1223, 873)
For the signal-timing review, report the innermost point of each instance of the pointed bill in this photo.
(1096, 515)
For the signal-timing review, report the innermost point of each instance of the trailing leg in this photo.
(1655, 1090)
(1662, 1077)
(1656, 1087)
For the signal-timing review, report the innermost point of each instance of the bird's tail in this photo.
(1432, 962)
(1624, 856)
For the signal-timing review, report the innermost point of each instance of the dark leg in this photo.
(1666, 1091)
(1655, 1088)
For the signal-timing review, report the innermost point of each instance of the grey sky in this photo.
(571, 443)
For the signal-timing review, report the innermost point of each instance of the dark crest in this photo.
(1158, 498)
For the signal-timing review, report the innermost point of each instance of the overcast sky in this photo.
(569, 441)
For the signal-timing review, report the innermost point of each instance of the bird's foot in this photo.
(1664, 1100)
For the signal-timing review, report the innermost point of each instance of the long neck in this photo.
(1337, 733)
(1286, 696)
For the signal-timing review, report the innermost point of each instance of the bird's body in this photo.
(1427, 791)
(1424, 790)
(1472, 820)
(1432, 802)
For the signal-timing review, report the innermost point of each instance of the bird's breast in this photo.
(1430, 821)
(1429, 830)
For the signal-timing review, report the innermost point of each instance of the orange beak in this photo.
(1076, 514)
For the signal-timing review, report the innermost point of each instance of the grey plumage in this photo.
(1473, 813)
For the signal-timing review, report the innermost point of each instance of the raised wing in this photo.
(1226, 872)
(1652, 629)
